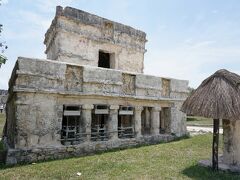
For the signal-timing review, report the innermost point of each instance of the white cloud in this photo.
(4, 2)
(191, 62)
(202, 44)
(35, 19)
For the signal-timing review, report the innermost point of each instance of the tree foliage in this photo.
(3, 46)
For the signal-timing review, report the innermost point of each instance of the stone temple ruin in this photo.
(90, 94)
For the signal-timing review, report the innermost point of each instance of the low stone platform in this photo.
(26, 155)
(221, 166)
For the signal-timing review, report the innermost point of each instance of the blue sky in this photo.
(187, 39)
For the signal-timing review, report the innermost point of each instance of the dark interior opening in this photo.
(145, 121)
(71, 127)
(125, 126)
(101, 106)
(104, 60)
(99, 127)
(72, 108)
(165, 120)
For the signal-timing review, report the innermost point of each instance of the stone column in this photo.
(137, 121)
(147, 123)
(87, 119)
(231, 148)
(113, 122)
(155, 120)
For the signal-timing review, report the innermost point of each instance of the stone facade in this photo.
(76, 36)
(68, 106)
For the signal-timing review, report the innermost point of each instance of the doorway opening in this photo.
(72, 125)
(99, 123)
(125, 122)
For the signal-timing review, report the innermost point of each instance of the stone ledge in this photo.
(76, 93)
(221, 165)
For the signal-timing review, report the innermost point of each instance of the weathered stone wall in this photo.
(15, 156)
(38, 118)
(178, 89)
(37, 122)
(101, 81)
(231, 147)
(60, 77)
(76, 37)
(73, 78)
(40, 88)
(178, 120)
(148, 86)
(10, 125)
(39, 74)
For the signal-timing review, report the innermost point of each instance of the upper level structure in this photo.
(82, 38)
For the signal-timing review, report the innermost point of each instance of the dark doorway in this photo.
(165, 120)
(99, 127)
(125, 126)
(72, 126)
(104, 60)
(146, 121)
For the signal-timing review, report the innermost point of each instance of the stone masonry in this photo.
(90, 94)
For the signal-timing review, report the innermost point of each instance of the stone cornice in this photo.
(73, 93)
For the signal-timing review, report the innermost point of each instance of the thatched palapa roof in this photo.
(218, 97)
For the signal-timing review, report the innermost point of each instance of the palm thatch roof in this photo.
(218, 97)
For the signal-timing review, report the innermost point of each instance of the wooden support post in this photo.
(215, 144)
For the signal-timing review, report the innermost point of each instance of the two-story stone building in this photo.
(91, 93)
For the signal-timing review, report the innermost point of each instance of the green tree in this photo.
(3, 46)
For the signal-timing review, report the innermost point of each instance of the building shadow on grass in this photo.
(199, 173)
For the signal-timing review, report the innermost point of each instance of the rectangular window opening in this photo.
(104, 60)
(99, 127)
(71, 132)
(125, 122)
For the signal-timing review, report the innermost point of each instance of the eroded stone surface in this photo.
(40, 89)
(231, 148)
(28, 155)
(76, 36)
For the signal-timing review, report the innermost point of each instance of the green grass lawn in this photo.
(175, 160)
(2, 122)
(200, 121)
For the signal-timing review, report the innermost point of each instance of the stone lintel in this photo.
(87, 106)
(114, 107)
